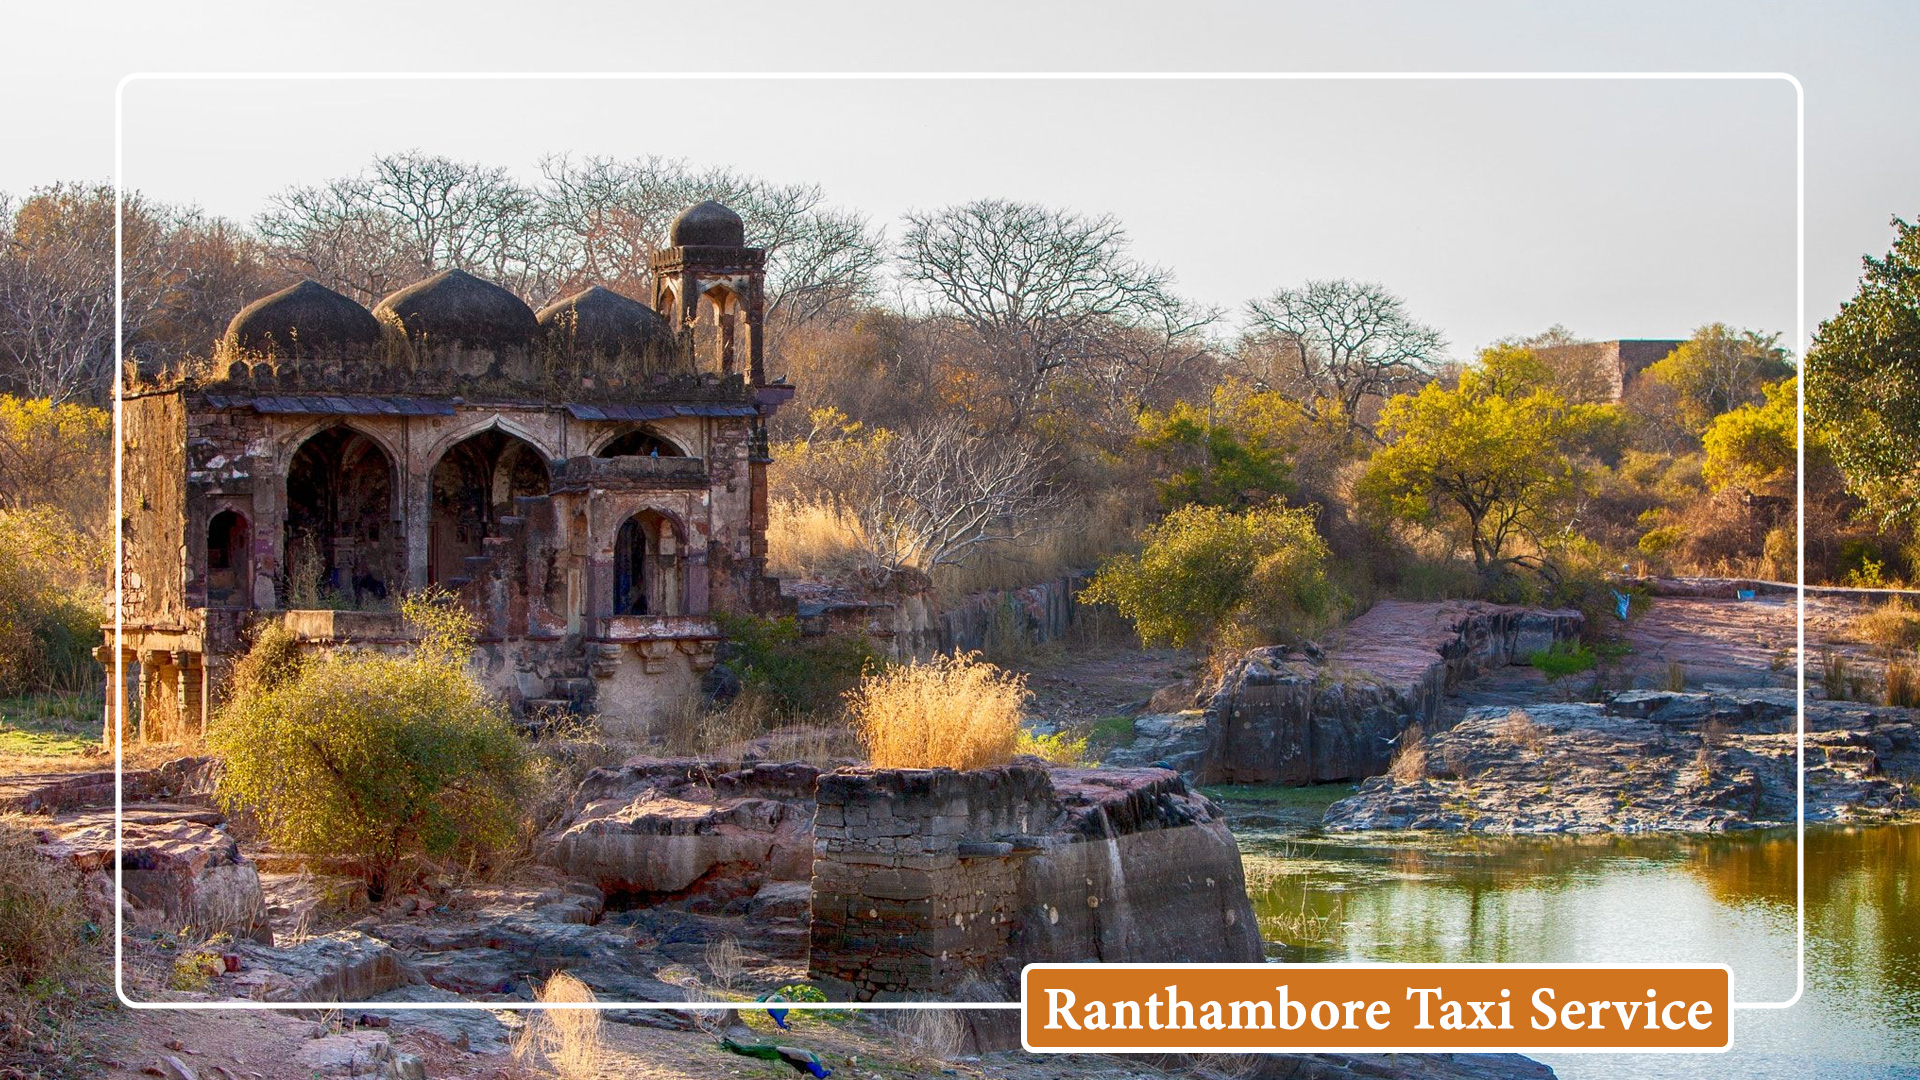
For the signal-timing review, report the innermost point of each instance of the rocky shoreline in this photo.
(1649, 761)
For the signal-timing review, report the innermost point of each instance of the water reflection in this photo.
(1725, 899)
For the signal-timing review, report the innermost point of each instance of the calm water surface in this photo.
(1616, 899)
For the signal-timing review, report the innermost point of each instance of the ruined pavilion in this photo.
(591, 486)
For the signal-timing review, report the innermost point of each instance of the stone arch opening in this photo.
(648, 566)
(340, 540)
(229, 580)
(473, 487)
(640, 442)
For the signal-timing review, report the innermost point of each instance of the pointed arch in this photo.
(472, 488)
(649, 565)
(340, 538)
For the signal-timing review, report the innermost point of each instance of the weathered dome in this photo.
(453, 305)
(707, 224)
(301, 320)
(601, 320)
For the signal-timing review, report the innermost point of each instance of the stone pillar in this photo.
(916, 876)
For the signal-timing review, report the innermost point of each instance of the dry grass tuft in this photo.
(1676, 677)
(1522, 730)
(955, 712)
(568, 1041)
(937, 1034)
(41, 915)
(1903, 684)
(1410, 756)
(726, 961)
(1891, 626)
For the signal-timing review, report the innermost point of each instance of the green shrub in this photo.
(1564, 658)
(1212, 575)
(1059, 748)
(796, 673)
(374, 757)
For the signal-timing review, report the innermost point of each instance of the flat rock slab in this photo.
(59, 792)
(345, 965)
(473, 1030)
(1649, 761)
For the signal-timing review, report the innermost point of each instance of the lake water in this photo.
(1721, 899)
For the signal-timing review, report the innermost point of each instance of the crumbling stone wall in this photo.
(916, 876)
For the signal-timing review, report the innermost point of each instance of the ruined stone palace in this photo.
(586, 478)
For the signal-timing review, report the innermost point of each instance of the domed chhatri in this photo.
(303, 319)
(707, 224)
(453, 305)
(600, 320)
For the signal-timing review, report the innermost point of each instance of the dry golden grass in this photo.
(956, 712)
(567, 1041)
(1410, 756)
(1903, 684)
(1521, 729)
(813, 540)
(1894, 625)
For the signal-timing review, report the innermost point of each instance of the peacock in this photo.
(805, 1061)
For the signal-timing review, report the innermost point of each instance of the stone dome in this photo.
(303, 319)
(600, 320)
(707, 224)
(453, 305)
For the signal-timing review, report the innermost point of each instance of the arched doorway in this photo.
(229, 582)
(639, 443)
(647, 578)
(340, 545)
(474, 485)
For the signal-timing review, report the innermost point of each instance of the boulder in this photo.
(359, 1055)
(179, 867)
(652, 832)
(928, 879)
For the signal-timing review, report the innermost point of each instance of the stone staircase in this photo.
(571, 690)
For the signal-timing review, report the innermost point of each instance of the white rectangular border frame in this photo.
(118, 675)
(1413, 1048)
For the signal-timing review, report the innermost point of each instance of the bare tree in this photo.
(1334, 344)
(943, 492)
(1041, 290)
(409, 215)
(611, 216)
(183, 274)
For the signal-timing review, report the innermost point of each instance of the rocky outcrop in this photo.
(346, 965)
(924, 879)
(1303, 716)
(1650, 761)
(181, 780)
(651, 832)
(179, 867)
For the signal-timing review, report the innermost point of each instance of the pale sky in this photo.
(1620, 209)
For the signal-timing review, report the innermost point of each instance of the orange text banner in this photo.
(1118, 1008)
